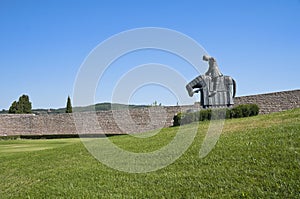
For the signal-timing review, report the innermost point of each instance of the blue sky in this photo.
(43, 43)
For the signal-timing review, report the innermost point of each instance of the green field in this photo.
(257, 157)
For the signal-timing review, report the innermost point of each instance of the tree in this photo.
(23, 106)
(13, 108)
(154, 103)
(69, 106)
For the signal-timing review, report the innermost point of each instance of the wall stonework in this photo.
(272, 102)
(128, 121)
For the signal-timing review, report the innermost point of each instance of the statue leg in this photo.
(190, 90)
(195, 83)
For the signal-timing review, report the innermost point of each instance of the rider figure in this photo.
(213, 71)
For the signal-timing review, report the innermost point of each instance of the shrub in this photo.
(177, 119)
(228, 113)
(254, 109)
(243, 110)
(236, 112)
(205, 115)
(218, 114)
(185, 119)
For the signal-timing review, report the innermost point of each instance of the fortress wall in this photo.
(103, 122)
(127, 121)
(272, 102)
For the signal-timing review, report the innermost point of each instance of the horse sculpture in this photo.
(216, 90)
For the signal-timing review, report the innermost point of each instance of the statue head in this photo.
(206, 57)
(213, 69)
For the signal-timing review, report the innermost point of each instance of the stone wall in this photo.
(127, 121)
(272, 102)
(103, 122)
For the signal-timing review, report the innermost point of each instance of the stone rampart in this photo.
(127, 121)
(272, 102)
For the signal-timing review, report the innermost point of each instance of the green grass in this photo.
(257, 157)
(10, 147)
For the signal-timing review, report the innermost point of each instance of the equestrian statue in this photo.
(216, 90)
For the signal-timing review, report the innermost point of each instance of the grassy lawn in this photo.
(9, 147)
(256, 157)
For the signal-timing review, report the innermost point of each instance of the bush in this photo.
(205, 115)
(228, 113)
(236, 112)
(188, 118)
(254, 110)
(243, 110)
(219, 114)
(177, 119)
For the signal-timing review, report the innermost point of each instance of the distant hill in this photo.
(98, 107)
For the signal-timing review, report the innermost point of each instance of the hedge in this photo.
(243, 110)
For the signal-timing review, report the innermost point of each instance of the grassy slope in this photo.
(255, 157)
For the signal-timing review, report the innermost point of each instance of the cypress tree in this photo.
(69, 106)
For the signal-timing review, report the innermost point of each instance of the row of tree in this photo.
(23, 106)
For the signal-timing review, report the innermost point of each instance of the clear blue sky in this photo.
(43, 43)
